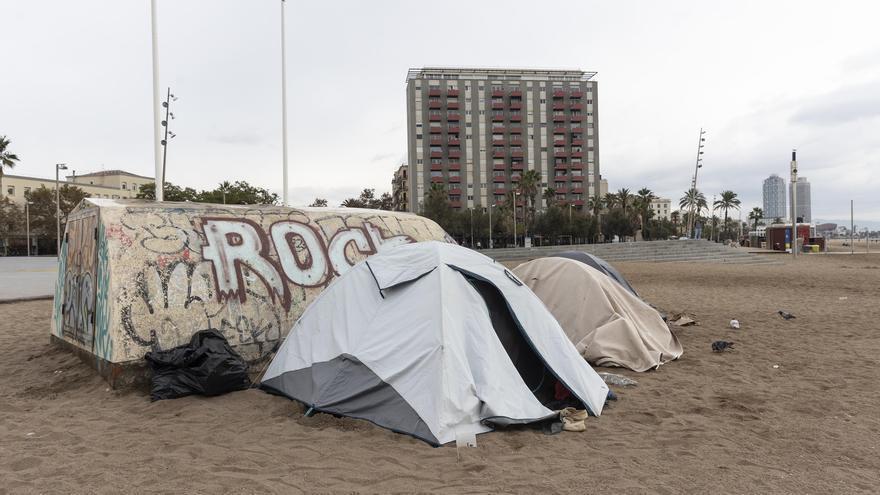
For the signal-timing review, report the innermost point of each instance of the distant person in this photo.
(698, 230)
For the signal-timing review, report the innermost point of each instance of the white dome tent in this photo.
(432, 340)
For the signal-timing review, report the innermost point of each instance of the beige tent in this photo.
(608, 324)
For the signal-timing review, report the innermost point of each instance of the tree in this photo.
(42, 208)
(549, 197)
(368, 199)
(11, 220)
(756, 214)
(616, 222)
(7, 160)
(171, 192)
(319, 202)
(436, 207)
(642, 205)
(237, 193)
(728, 201)
(624, 198)
(224, 188)
(692, 199)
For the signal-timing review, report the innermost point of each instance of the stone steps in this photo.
(643, 251)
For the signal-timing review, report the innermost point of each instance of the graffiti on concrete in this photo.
(157, 275)
(78, 300)
(233, 246)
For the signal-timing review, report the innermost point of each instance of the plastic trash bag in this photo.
(205, 366)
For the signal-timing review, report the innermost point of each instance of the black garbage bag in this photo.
(205, 366)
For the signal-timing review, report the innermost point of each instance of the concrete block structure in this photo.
(138, 275)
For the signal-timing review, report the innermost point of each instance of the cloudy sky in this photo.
(762, 77)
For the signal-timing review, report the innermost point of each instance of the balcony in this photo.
(455, 204)
(499, 166)
(435, 130)
(579, 202)
(559, 106)
(436, 167)
(576, 118)
(577, 142)
(515, 177)
(454, 141)
(498, 142)
(434, 92)
(452, 105)
(577, 94)
(558, 93)
(499, 190)
(559, 142)
(577, 178)
(561, 166)
(516, 140)
(454, 165)
(453, 129)
(577, 190)
(453, 153)
(436, 154)
(497, 129)
(434, 117)
(577, 166)
(453, 116)
(499, 178)
(515, 104)
(560, 178)
(452, 92)
(516, 130)
(455, 190)
(437, 180)
(560, 130)
(496, 93)
(516, 154)
(577, 154)
(576, 106)
(516, 117)
(559, 118)
(455, 179)
(560, 154)
(562, 190)
(516, 93)
(517, 165)
(577, 129)
(434, 104)
(499, 154)
(498, 118)
(497, 105)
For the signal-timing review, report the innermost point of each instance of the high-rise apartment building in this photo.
(476, 131)
(774, 198)
(400, 189)
(804, 210)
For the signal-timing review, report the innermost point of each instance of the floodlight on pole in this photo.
(58, 167)
(697, 167)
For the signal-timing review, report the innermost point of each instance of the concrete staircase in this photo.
(697, 250)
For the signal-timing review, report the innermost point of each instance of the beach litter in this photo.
(775, 366)
(683, 319)
(734, 324)
(786, 315)
(619, 380)
(721, 346)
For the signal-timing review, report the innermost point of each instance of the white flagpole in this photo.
(157, 148)
(284, 106)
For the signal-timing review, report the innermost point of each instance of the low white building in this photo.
(662, 208)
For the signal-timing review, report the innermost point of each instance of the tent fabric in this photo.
(432, 340)
(601, 265)
(608, 325)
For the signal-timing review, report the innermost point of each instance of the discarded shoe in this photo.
(721, 346)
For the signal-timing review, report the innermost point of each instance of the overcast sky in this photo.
(762, 77)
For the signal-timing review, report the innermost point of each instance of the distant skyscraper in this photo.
(774, 198)
(804, 210)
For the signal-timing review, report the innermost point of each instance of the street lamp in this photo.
(490, 226)
(697, 167)
(58, 166)
(471, 211)
(514, 218)
(27, 215)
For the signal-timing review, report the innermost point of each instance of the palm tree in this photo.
(7, 160)
(595, 205)
(624, 198)
(529, 182)
(756, 214)
(692, 199)
(642, 203)
(549, 196)
(728, 201)
(675, 216)
(224, 188)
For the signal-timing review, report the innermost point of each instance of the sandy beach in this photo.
(719, 423)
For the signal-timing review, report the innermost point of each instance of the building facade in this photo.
(774, 198)
(110, 184)
(804, 210)
(662, 208)
(400, 189)
(476, 131)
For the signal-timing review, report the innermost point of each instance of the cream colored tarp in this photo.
(608, 325)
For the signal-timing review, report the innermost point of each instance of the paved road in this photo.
(21, 276)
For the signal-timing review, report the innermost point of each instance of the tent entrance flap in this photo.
(528, 363)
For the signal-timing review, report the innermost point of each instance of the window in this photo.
(543, 101)
(468, 136)
(27, 190)
(115, 196)
(419, 161)
(124, 186)
(560, 185)
(454, 173)
(436, 173)
(10, 190)
(470, 198)
(418, 136)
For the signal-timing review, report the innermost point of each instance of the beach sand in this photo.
(725, 423)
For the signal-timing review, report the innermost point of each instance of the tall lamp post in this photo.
(27, 215)
(514, 219)
(490, 226)
(284, 107)
(471, 211)
(794, 173)
(58, 166)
